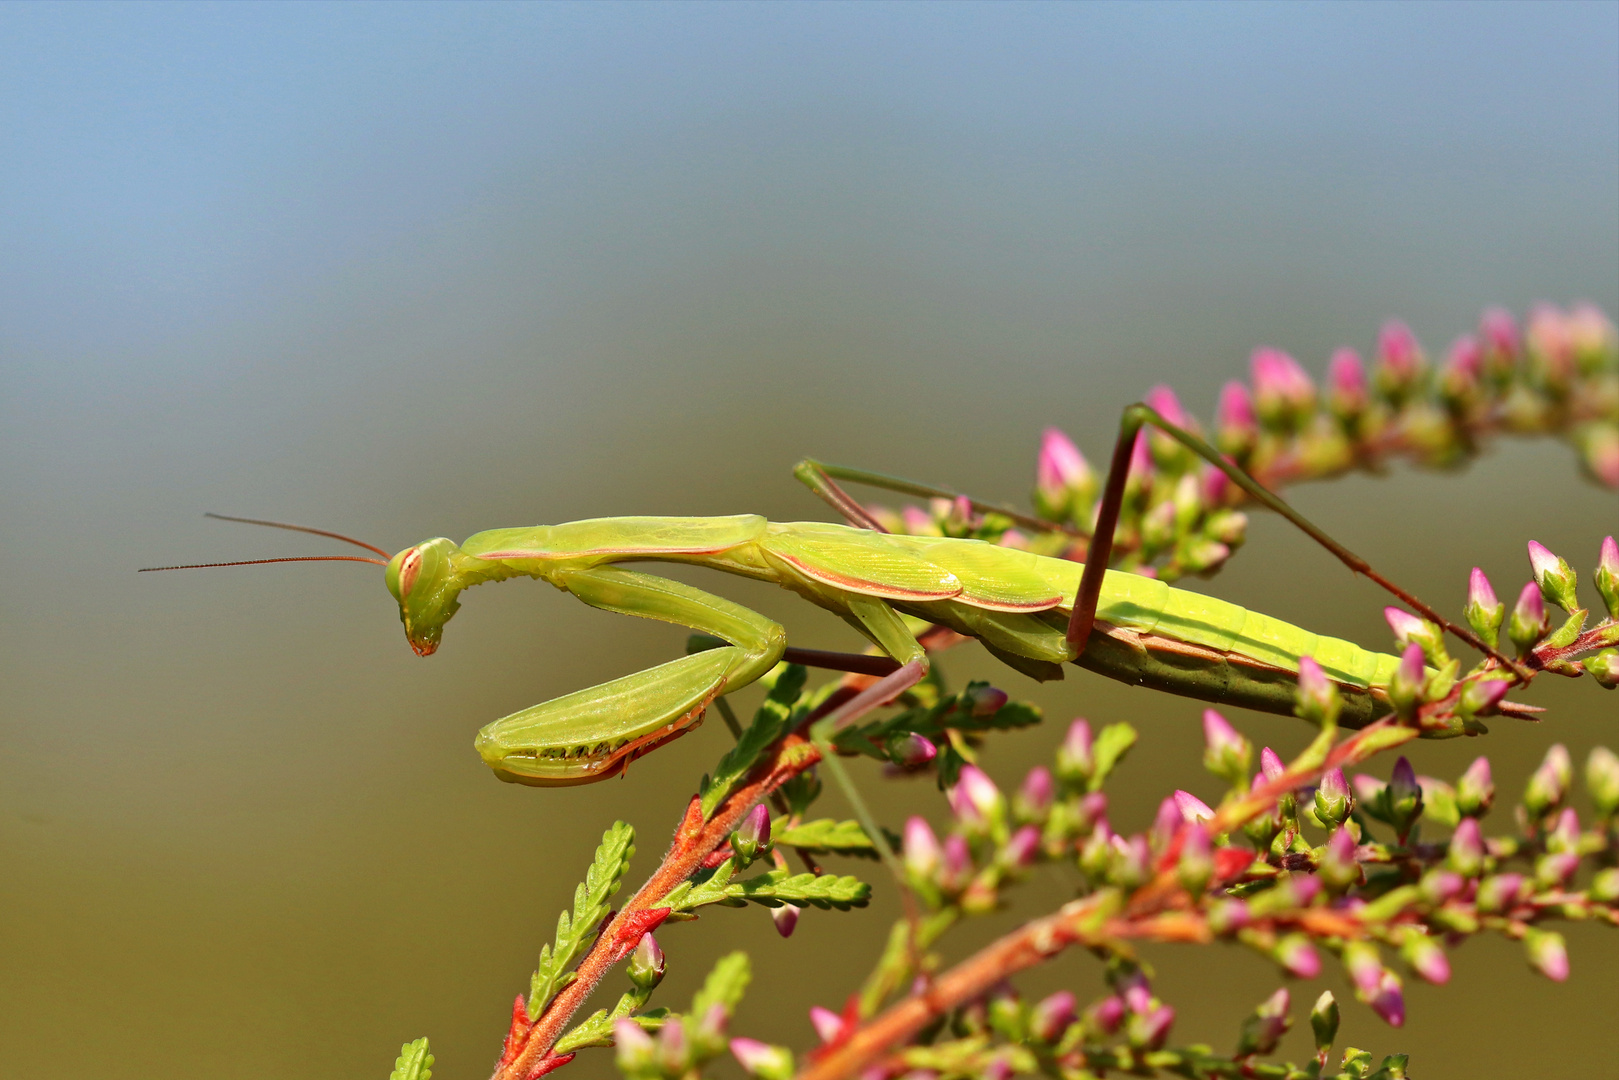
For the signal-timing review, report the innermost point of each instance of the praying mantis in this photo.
(1034, 613)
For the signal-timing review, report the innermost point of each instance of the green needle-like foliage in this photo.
(772, 720)
(590, 906)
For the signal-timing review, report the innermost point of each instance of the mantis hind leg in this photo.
(1107, 520)
(592, 734)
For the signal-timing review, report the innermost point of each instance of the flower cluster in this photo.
(1559, 374)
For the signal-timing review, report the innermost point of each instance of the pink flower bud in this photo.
(1606, 575)
(828, 1024)
(633, 1043)
(958, 861)
(1404, 624)
(1167, 822)
(1234, 416)
(1191, 807)
(1150, 1031)
(1441, 886)
(922, 854)
(1052, 1016)
(754, 833)
(647, 962)
(1023, 847)
(1075, 761)
(1298, 957)
(1218, 734)
(1547, 953)
(1270, 763)
(1426, 958)
(785, 919)
(762, 1060)
(1466, 358)
(1398, 354)
(1389, 1000)
(975, 798)
(1035, 794)
(1280, 386)
(1551, 346)
(912, 751)
(1363, 965)
(1479, 590)
(1196, 867)
(1501, 893)
(1466, 852)
(983, 700)
(1346, 382)
(1500, 332)
(1108, 1014)
(1162, 400)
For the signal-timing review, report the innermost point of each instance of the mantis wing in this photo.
(854, 561)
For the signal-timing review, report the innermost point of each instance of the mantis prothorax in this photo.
(1034, 613)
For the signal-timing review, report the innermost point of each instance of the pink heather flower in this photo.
(1234, 415)
(754, 832)
(1500, 331)
(1162, 400)
(1608, 557)
(1501, 892)
(1530, 606)
(958, 861)
(1339, 856)
(1405, 625)
(1346, 382)
(1219, 736)
(1154, 1027)
(1138, 995)
(1555, 870)
(1477, 783)
(762, 1059)
(647, 962)
(1215, 486)
(975, 798)
(828, 1024)
(1464, 362)
(633, 1042)
(1108, 1013)
(1367, 788)
(1589, 330)
(1023, 847)
(1298, 957)
(1398, 352)
(1061, 468)
(1565, 835)
(1197, 859)
(1140, 457)
(1442, 886)
(1427, 959)
(1550, 341)
(1548, 954)
(1389, 1000)
(1093, 808)
(1076, 747)
(1601, 451)
(1541, 560)
(1280, 385)
(1191, 807)
(672, 1044)
(1466, 852)
(922, 854)
(918, 522)
(1270, 763)
(985, 700)
(1166, 822)
(1403, 779)
(1480, 592)
(785, 919)
(1363, 965)
(1036, 791)
(1052, 1016)
(912, 751)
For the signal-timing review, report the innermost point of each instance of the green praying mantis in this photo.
(1033, 612)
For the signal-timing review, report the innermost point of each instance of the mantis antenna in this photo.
(294, 558)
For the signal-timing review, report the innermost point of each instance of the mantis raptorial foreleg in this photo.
(663, 701)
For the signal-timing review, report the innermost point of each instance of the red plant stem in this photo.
(1076, 923)
(694, 840)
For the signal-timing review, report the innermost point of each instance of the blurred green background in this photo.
(405, 271)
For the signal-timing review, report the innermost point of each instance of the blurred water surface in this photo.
(409, 270)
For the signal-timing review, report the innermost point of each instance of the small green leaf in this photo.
(725, 985)
(590, 906)
(772, 720)
(771, 889)
(827, 834)
(413, 1063)
(1112, 743)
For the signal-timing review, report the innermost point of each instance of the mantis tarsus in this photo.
(1032, 612)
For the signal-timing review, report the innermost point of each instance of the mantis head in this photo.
(424, 580)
